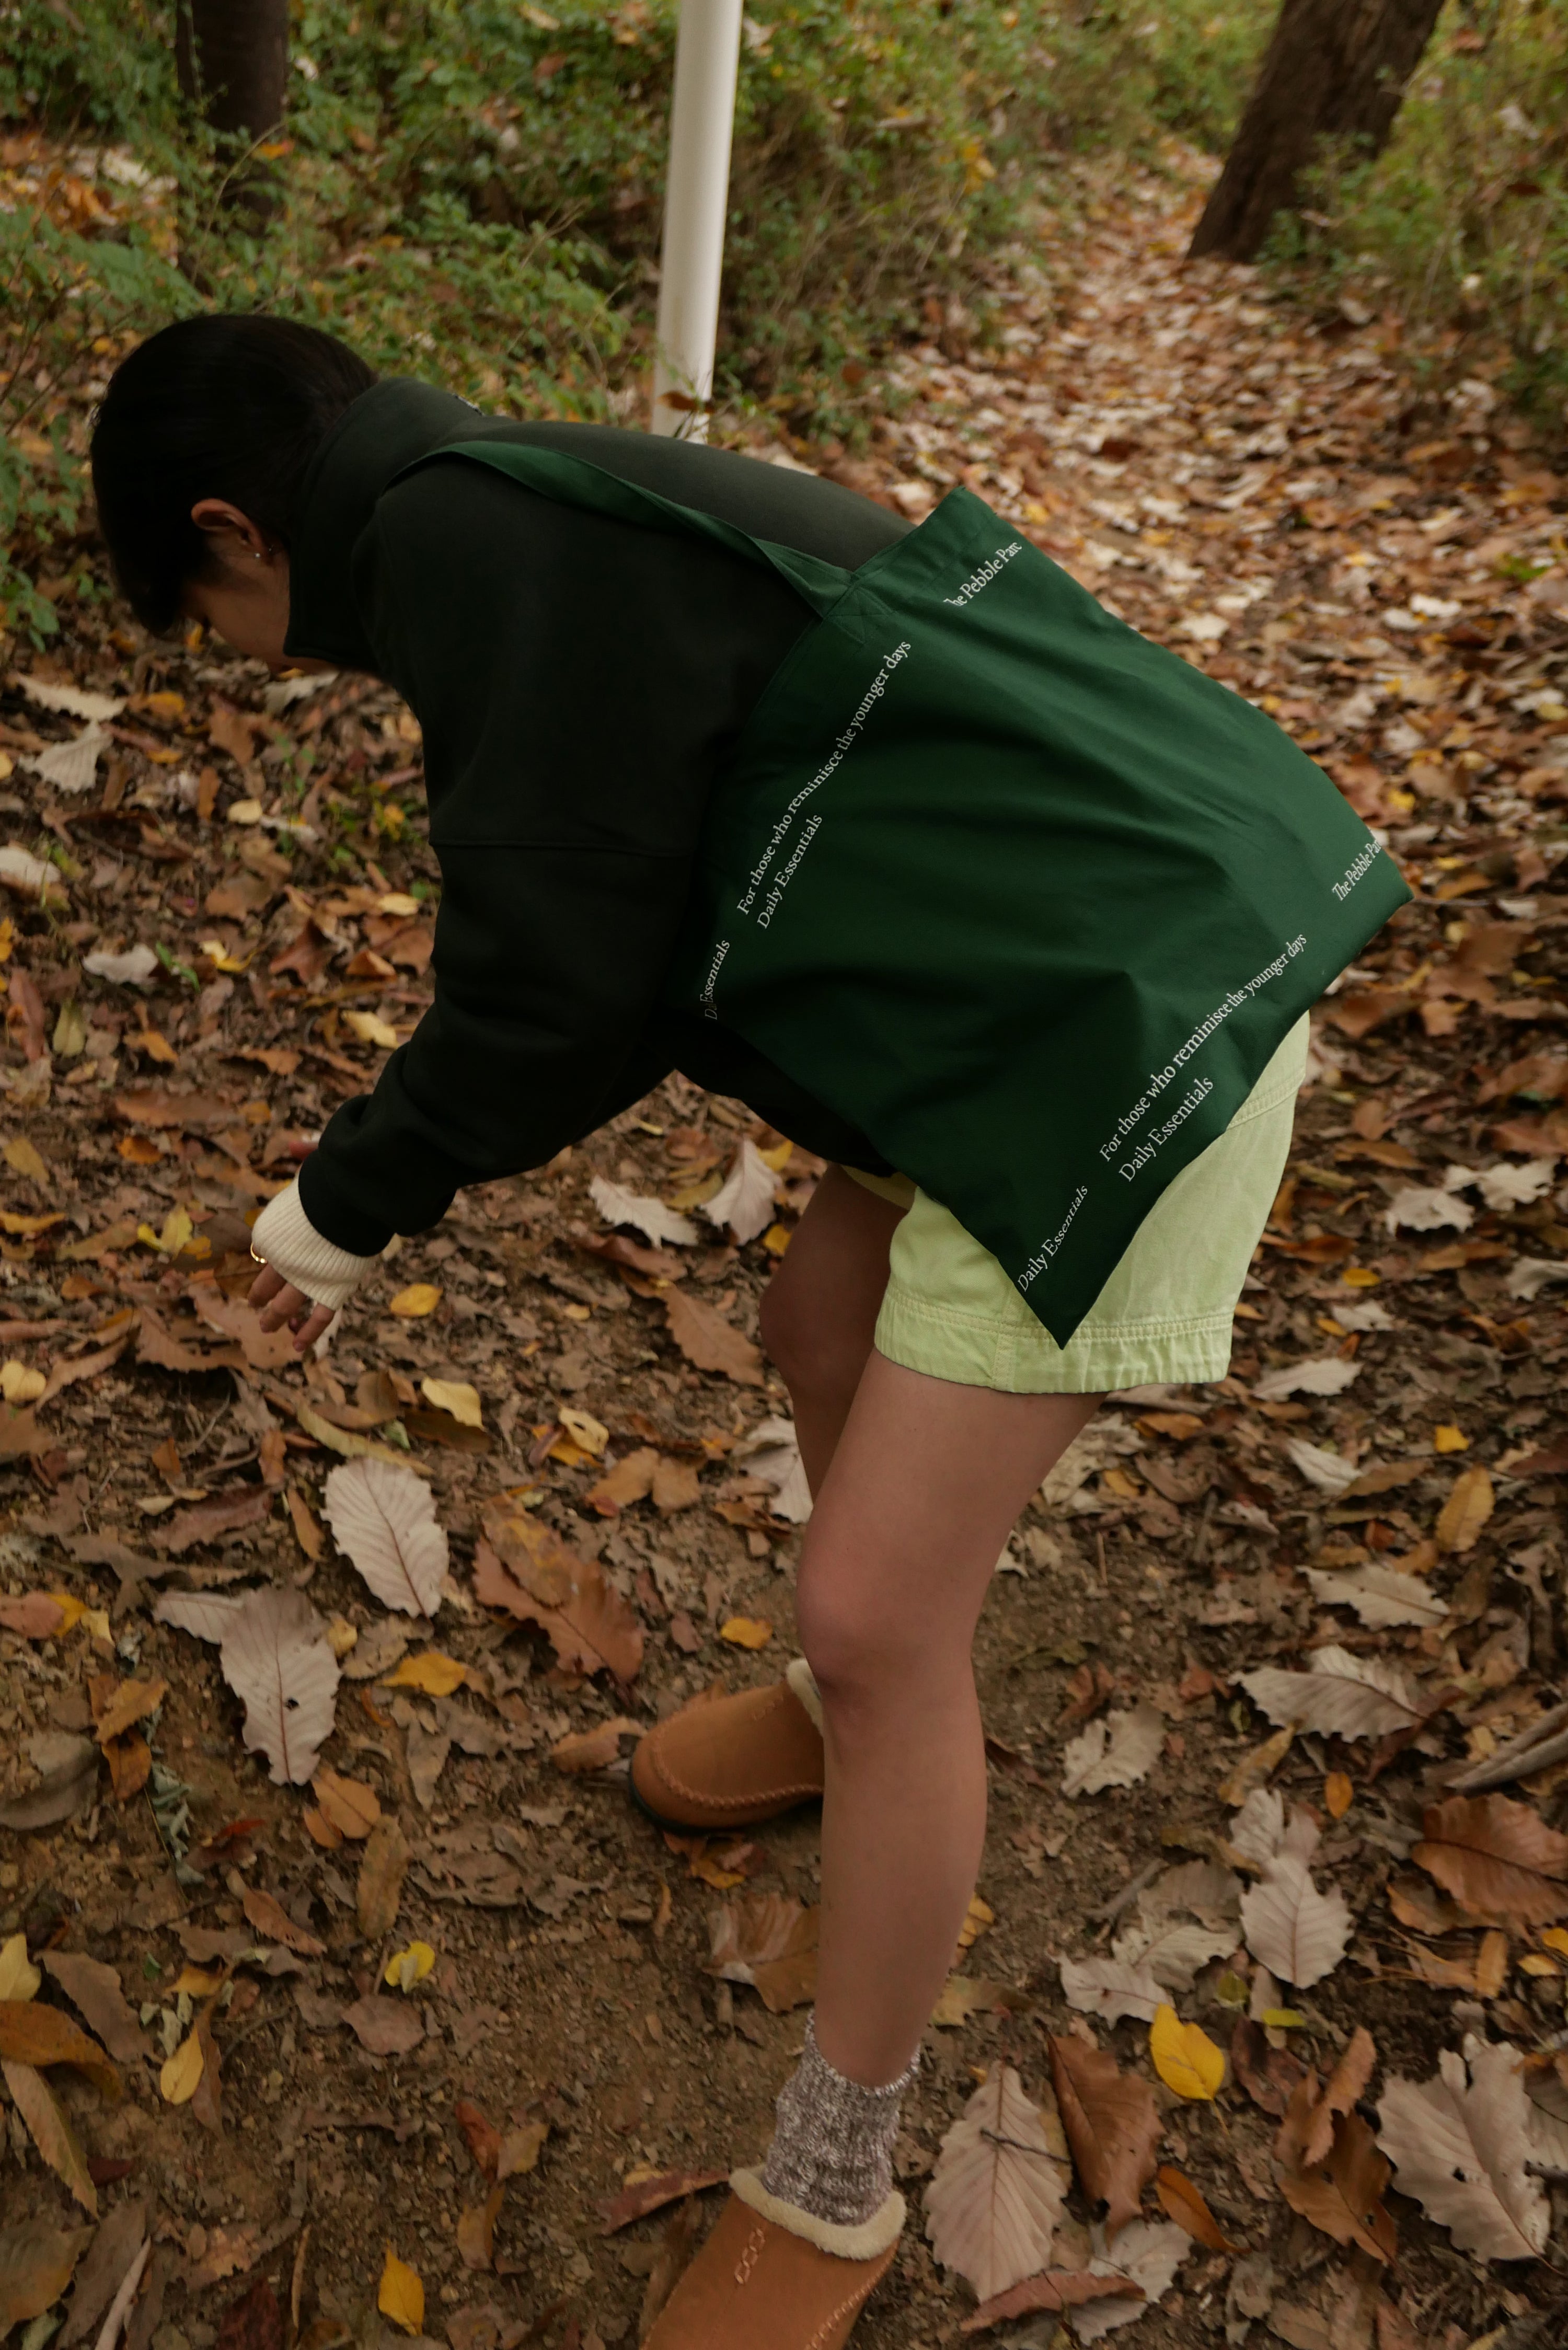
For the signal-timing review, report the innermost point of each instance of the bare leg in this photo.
(820, 1309)
(924, 1487)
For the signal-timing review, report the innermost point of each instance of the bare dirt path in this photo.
(1265, 491)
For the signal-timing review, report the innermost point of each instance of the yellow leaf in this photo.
(182, 2073)
(1492, 1964)
(177, 1231)
(220, 958)
(157, 1047)
(778, 1158)
(456, 1396)
(520, 2151)
(19, 1383)
(1536, 1962)
(775, 1240)
(1284, 2019)
(1466, 1511)
(406, 1968)
(23, 1155)
(435, 1674)
(401, 2296)
(978, 1918)
(1450, 1439)
(1360, 1276)
(1338, 1795)
(19, 1978)
(398, 901)
(196, 1983)
(371, 1029)
(1185, 2058)
(7, 928)
(1556, 1939)
(583, 1430)
(419, 1297)
(342, 1637)
(24, 1227)
(746, 1632)
(245, 812)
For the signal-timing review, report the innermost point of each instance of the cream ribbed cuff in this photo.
(284, 1238)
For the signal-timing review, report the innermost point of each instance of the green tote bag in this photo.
(1024, 896)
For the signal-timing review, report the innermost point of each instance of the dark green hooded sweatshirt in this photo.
(580, 683)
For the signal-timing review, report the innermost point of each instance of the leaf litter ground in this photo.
(407, 2015)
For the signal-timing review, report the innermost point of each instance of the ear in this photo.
(217, 519)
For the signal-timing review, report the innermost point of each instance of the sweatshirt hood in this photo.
(389, 427)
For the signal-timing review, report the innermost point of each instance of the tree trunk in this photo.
(1333, 69)
(232, 56)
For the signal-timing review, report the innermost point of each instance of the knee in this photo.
(813, 1354)
(855, 1661)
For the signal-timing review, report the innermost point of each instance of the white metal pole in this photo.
(701, 120)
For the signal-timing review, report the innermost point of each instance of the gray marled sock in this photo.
(832, 2153)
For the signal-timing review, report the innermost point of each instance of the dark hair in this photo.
(213, 407)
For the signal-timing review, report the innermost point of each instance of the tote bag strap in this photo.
(574, 482)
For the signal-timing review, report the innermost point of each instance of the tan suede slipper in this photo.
(729, 1762)
(773, 2278)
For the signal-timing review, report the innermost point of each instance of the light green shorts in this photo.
(1164, 1316)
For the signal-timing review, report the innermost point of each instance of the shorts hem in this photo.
(972, 1350)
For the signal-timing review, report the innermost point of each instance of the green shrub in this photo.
(1462, 225)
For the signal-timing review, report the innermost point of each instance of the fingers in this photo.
(318, 1320)
(264, 1287)
(287, 1307)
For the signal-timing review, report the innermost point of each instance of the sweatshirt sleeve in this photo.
(579, 684)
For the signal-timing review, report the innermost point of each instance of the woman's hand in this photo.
(280, 1304)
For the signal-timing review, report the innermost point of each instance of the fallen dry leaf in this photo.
(746, 1631)
(38, 2036)
(411, 1305)
(432, 1672)
(278, 1661)
(37, 2263)
(1298, 1933)
(1498, 1859)
(768, 1941)
(476, 2230)
(1459, 2147)
(593, 1750)
(520, 2151)
(94, 1987)
(384, 1520)
(1055, 2289)
(181, 2074)
(1181, 2202)
(659, 1225)
(1114, 1752)
(1184, 2056)
(637, 2200)
(527, 1570)
(1342, 1697)
(995, 2197)
(1112, 2122)
(1345, 2085)
(1466, 1511)
(379, 1889)
(483, 2137)
(50, 2128)
(707, 1340)
(400, 2296)
(352, 1807)
(386, 2027)
(19, 1978)
(1344, 2194)
(274, 1924)
(1146, 2257)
